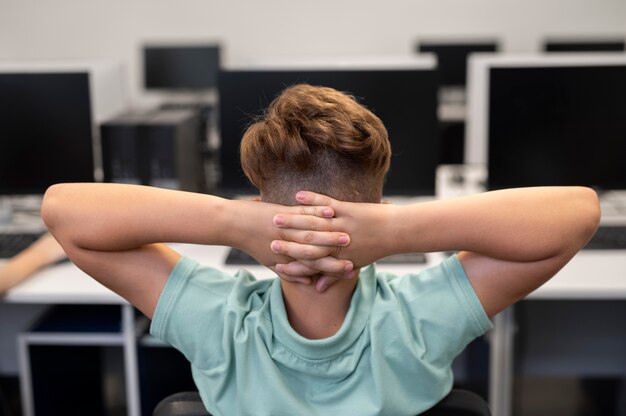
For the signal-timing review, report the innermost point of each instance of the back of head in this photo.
(316, 139)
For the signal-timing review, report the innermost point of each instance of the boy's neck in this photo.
(317, 315)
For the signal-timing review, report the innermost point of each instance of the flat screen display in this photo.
(616, 45)
(45, 131)
(557, 126)
(405, 100)
(181, 67)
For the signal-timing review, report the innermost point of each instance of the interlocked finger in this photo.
(296, 269)
(303, 222)
(312, 198)
(316, 211)
(330, 265)
(318, 238)
(305, 280)
(301, 251)
(326, 265)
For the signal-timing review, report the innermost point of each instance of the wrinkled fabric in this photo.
(392, 355)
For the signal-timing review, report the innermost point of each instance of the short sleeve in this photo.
(190, 312)
(467, 296)
(444, 310)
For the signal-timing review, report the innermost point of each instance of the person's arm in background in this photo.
(114, 232)
(43, 252)
(510, 241)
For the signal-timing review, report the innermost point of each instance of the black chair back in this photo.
(457, 403)
(460, 403)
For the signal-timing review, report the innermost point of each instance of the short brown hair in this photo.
(316, 139)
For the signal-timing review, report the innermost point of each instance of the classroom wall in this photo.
(250, 29)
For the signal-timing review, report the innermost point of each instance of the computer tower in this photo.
(159, 148)
(121, 148)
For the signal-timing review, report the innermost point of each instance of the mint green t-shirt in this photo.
(392, 355)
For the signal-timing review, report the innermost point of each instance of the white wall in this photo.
(114, 29)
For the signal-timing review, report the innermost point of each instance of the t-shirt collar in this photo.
(352, 327)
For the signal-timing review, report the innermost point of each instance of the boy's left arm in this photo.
(114, 232)
(511, 241)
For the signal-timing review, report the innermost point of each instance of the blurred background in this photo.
(158, 92)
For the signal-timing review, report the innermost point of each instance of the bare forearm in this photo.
(14, 271)
(521, 225)
(90, 220)
(43, 252)
(111, 217)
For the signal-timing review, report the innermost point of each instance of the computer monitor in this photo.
(549, 120)
(181, 67)
(584, 45)
(405, 100)
(452, 57)
(45, 130)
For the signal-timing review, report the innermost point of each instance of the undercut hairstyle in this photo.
(316, 139)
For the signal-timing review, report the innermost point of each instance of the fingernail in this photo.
(322, 287)
(344, 239)
(300, 196)
(279, 267)
(327, 212)
(279, 220)
(348, 267)
(275, 246)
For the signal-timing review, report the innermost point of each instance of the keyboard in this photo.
(404, 258)
(13, 243)
(239, 257)
(608, 237)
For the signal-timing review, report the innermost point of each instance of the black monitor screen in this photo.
(181, 67)
(616, 45)
(557, 126)
(452, 59)
(405, 100)
(45, 131)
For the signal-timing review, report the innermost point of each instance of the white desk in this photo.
(66, 284)
(590, 275)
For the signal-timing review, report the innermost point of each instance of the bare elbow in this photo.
(590, 213)
(594, 213)
(51, 207)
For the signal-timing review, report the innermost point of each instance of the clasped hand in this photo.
(323, 240)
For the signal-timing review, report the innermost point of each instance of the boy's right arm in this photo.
(113, 232)
(510, 241)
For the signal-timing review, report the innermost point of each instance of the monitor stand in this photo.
(6, 211)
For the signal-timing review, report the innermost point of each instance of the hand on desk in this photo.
(43, 252)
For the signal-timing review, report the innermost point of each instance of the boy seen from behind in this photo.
(334, 335)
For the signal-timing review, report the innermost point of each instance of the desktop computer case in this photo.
(159, 148)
